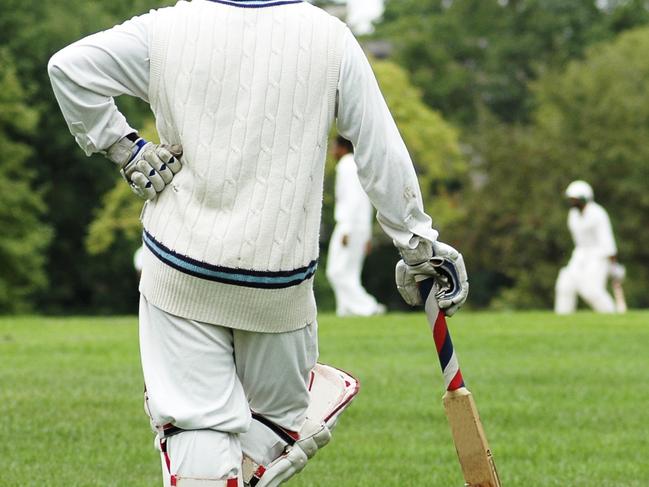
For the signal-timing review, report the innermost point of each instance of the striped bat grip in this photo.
(445, 351)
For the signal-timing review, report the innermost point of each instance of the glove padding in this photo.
(147, 167)
(439, 261)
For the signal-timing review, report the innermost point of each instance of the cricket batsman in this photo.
(244, 93)
(594, 257)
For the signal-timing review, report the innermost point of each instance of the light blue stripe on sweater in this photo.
(227, 275)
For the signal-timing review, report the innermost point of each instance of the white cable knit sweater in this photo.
(250, 94)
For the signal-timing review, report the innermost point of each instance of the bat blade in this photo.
(620, 301)
(471, 444)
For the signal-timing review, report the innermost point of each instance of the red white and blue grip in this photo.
(445, 351)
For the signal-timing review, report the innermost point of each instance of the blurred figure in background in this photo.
(362, 13)
(352, 238)
(138, 258)
(594, 258)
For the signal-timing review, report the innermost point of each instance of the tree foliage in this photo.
(72, 184)
(592, 123)
(536, 106)
(596, 113)
(24, 235)
(465, 54)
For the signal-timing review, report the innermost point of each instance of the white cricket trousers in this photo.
(584, 276)
(344, 269)
(207, 379)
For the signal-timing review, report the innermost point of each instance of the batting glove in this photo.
(147, 167)
(617, 271)
(441, 262)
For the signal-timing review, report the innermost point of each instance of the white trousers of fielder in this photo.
(344, 268)
(205, 379)
(584, 276)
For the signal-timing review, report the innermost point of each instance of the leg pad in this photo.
(331, 391)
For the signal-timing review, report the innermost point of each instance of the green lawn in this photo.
(563, 401)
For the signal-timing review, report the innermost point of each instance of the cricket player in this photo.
(593, 257)
(351, 239)
(244, 93)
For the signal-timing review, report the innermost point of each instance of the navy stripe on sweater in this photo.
(255, 3)
(228, 275)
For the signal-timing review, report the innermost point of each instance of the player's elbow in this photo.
(54, 66)
(59, 63)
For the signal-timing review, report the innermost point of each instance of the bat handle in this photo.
(447, 357)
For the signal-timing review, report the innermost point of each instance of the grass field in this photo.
(563, 401)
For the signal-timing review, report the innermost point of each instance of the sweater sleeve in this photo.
(89, 73)
(385, 169)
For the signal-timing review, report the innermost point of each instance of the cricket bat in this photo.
(471, 444)
(618, 294)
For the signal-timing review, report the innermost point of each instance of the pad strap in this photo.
(177, 481)
(289, 437)
(169, 430)
(331, 391)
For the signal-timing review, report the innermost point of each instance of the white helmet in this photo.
(579, 190)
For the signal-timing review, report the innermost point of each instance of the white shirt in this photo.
(591, 231)
(116, 62)
(353, 210)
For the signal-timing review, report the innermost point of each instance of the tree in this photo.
(597, 113)
(24, 235)
(465, 54)
(73, 184)
(513, 235)
(592, 123)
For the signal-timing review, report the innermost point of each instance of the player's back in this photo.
(250, 94)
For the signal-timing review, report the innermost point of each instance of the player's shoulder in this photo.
(595, 208)
(596, 211)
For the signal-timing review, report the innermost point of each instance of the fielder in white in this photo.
(351, 239)
(244, 93)
(594, 256)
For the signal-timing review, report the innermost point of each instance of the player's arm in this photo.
(605, 237)
(608, 249)
(86, 76)
(387, 174)
(345, 205)
(385, 169)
